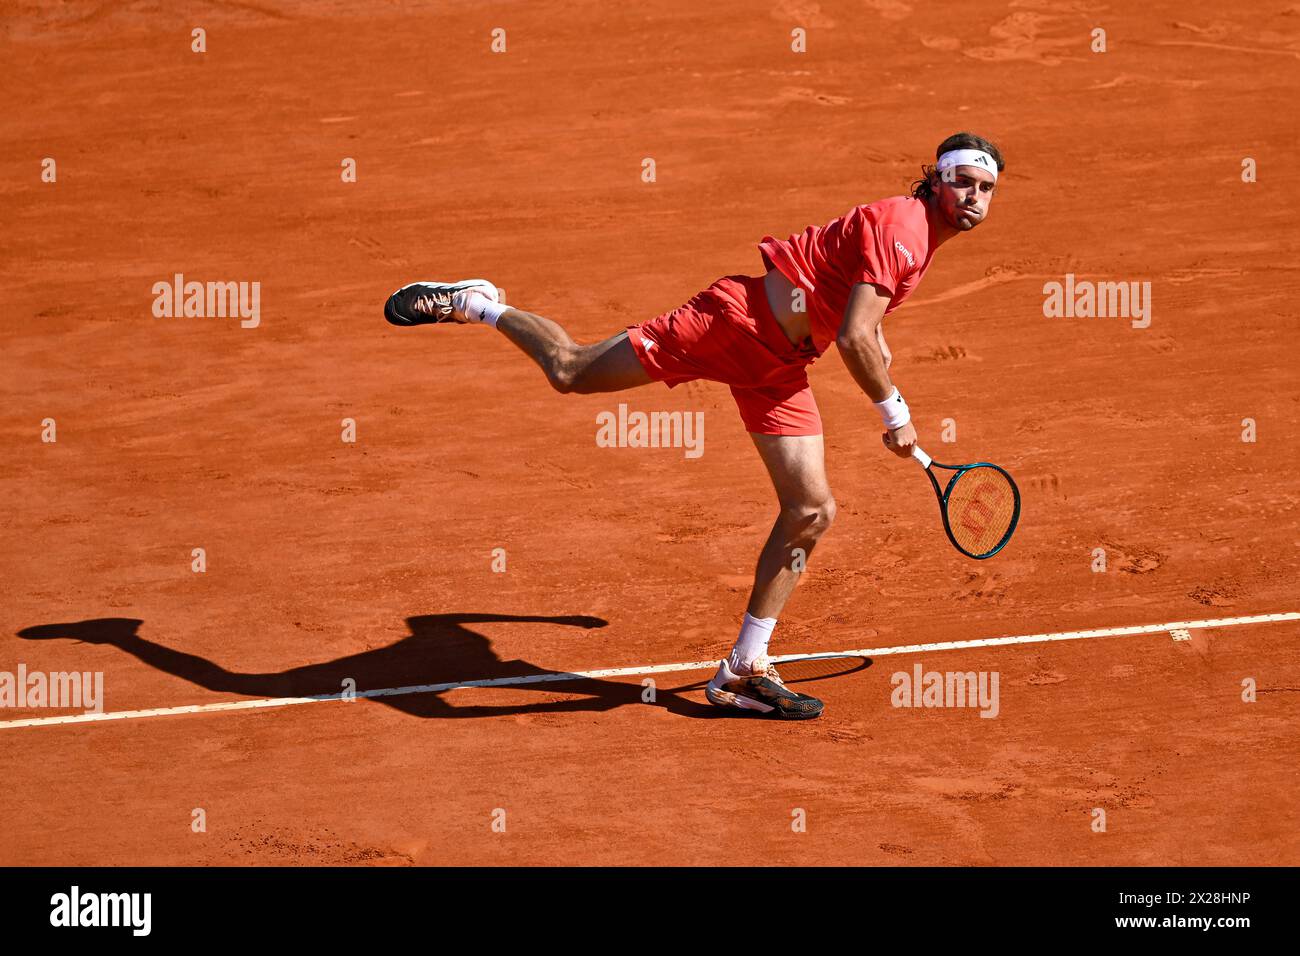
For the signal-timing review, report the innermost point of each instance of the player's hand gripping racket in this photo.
(980, 506)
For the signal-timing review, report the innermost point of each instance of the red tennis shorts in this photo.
(728, 334)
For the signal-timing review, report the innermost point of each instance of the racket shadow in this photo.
(821, 668)
(807, 669)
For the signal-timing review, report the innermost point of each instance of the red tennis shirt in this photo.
(887, 243)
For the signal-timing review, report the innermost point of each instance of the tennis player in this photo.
(758, 335)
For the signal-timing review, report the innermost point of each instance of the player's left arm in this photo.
(884, 346)
(859, 339)
(862, 346)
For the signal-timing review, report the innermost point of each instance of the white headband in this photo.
(968, 157)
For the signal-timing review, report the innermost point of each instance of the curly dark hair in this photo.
(921, 188)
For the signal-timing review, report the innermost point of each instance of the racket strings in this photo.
(981, 509)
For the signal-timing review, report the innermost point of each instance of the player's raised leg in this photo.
(746, 679)
(608, 366)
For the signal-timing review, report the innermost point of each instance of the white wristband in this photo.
(893, 411)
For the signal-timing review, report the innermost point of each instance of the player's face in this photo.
(964, 200)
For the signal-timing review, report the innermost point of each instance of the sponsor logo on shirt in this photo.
(911, 260)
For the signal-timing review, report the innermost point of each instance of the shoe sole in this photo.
(726, 699)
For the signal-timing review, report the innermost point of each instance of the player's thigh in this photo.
(609, 366)
(797, 466)
(786, 427)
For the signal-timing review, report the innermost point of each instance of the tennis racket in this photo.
(980, 505)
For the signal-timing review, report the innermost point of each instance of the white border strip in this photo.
(648, 669)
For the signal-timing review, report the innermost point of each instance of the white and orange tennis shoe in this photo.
(761, 691)
(422, 303)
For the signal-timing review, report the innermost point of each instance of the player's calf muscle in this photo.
(568, 369)
(546, 342)
(563, 368)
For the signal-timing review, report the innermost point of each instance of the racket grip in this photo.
(921, 456)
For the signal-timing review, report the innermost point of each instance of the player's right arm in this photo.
(862, 347)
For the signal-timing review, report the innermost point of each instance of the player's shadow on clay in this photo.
(441, 649)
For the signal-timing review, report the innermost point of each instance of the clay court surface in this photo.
(372, 560)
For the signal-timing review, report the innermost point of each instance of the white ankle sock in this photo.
(478, 307)
(755, 633)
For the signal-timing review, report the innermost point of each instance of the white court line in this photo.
(649, 669)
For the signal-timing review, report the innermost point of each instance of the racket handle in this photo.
(921, 456)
